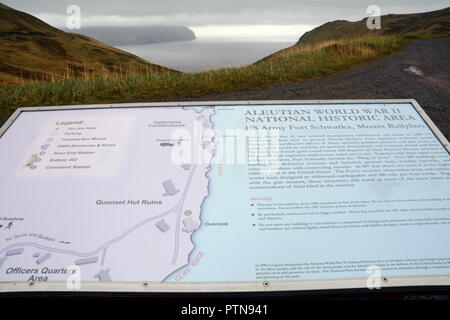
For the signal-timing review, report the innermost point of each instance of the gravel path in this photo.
(420, 72)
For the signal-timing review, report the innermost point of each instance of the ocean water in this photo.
(206, 54)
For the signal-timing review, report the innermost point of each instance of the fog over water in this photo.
(208, 53)
(222, 27)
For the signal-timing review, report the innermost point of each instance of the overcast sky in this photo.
(216, 17)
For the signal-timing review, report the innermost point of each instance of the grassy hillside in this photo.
(295, 64)
(298, 63)
(403, 25)
(30, 49)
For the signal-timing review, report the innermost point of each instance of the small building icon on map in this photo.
(170, 188)
(103, 276)
(162, 226)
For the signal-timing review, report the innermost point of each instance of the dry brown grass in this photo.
(124, 84)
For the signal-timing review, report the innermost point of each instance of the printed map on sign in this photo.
(223, 193)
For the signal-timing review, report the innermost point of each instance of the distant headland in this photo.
(127, 36)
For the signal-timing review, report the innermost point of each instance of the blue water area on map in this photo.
(230, 253)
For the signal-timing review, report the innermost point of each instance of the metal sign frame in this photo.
(438, 281)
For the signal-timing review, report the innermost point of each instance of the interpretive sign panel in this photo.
(224, 197)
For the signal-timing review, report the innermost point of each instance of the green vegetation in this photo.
(427, 24)
(299, 63)
(41, 65)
